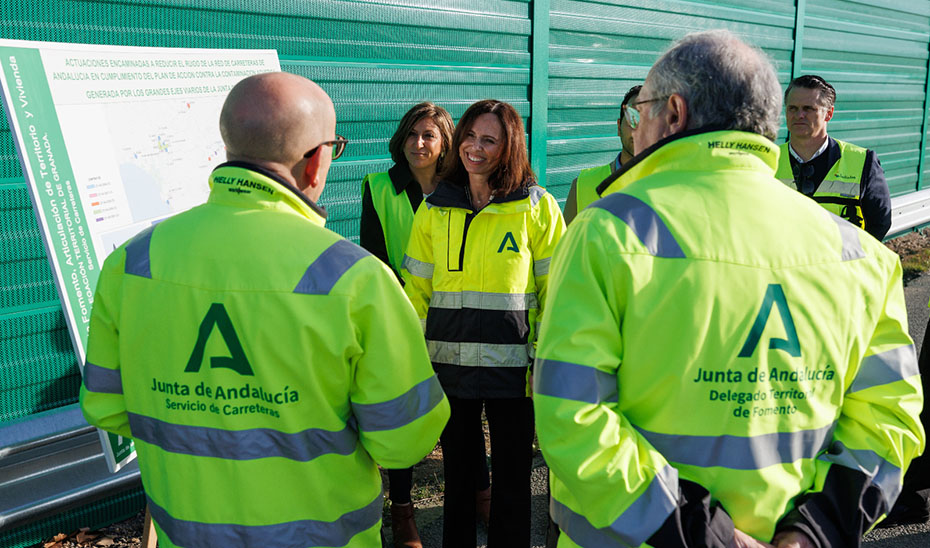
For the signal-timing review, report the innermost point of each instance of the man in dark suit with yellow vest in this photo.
(844, 178)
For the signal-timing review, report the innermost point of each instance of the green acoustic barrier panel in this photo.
(875, 55)
(598, 50)
(38, 368)
(96, 515)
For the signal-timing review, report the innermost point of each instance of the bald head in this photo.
(272, 119)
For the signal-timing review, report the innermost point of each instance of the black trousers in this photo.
(400, 481)
(511, 426)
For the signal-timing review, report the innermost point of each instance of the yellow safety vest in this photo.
(586, 184)
(841, 190)
(394, 212)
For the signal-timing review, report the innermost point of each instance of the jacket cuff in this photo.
(841, 513)
(697, 521)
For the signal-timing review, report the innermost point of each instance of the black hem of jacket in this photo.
(319, 210)
(485, 382)
(696, 521)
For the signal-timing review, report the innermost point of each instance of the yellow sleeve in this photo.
(418, 264)
(101, 390)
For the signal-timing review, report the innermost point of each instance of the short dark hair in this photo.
(812, 81)
(633, 92)
(416, 113)
(514, 170)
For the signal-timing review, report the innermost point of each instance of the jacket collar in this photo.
(244, 184)
(450, 194)
(401, 177)
(695, 149)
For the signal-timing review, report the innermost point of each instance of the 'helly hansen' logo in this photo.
(508, 243)
(774, 295)
(236, 360)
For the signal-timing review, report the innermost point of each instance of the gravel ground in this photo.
(427, 489)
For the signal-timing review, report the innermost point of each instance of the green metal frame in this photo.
(797, 55)
(922, 153)
(539, 88)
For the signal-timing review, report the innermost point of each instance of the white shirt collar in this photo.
(820, 151)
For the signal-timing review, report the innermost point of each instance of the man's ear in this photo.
(311, 172)
(829, 114)
(676, 114)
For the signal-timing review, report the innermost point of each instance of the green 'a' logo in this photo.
(217, 316)
(773, 295)
(513, 243)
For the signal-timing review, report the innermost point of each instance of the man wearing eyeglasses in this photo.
(583, 189)
(846, 179)
(723, 363)
(261, 363)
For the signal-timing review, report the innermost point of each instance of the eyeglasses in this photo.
(338, 144)
(632, 113)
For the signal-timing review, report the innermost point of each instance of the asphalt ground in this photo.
(429, 513)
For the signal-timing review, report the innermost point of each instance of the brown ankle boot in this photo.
(483, 505)
(403, 527)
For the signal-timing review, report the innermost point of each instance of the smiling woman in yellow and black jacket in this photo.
(476, 269)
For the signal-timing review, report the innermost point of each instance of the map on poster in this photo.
(113, 139)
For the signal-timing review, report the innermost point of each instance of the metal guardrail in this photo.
(52, 462)
(909, 211)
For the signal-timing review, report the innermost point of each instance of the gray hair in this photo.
(725, 83)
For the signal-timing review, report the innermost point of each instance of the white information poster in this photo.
(113, 139)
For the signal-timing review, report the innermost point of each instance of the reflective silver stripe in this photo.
(305, 532)
(842, 188)
(740, 453)
(329, 267)
(852, 247)
(634, 526)
(400, 411)
(541, 267)
(418, 268)
(644, 222)
(571, 381)
(102, 380)
(478, 354)
(885, 475)
(454, 300)
(886, 367)
(137, 254)
(536, 194)
(254, 443)
(423, 324)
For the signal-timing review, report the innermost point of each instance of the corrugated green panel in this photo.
(875, 55)
(38, 368)
(598, 50)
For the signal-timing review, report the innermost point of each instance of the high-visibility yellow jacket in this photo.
(718, 346)
(841, 190)
(478, 281)
(263, 365)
